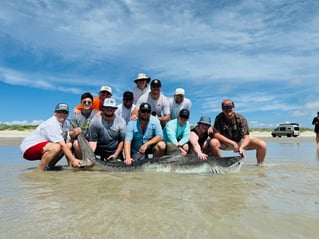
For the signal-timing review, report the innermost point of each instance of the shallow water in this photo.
(280, 200)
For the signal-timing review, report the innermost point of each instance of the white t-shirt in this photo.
(176, 108)
(160, 105)
(124, 112)
(137, 93)
(50, 130)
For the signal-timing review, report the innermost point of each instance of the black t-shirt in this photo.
(315, 121)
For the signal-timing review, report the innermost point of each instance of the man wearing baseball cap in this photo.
(179, 102)
(126, 108)
(232, 133)
(107, 131)
(47, 142)
(176, 133)
(158, 102)
(143, 136)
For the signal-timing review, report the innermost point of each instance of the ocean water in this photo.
(280, 200)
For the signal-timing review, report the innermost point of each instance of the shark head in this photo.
(225, 165)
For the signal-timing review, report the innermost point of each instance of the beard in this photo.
(144, 118)
(108, 114)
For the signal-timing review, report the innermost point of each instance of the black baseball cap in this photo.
(145, 107)
(156, 83)
(128, 95)
(184, 113)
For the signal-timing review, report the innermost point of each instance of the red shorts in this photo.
(35, 152)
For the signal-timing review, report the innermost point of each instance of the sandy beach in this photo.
(14, 137)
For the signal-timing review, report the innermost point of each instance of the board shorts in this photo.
(35, 152)
(225, 146)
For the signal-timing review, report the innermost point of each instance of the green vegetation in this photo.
(17, 127)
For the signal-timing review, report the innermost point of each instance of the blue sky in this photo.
(262, 54)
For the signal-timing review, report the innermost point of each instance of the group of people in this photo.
(145, 124)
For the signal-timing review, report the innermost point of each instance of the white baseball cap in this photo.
(179, 91)
(109, 102)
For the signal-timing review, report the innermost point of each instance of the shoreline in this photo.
(14, 137)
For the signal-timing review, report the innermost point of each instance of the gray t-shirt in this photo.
(176, 108)
(107, 134)
(83, 121)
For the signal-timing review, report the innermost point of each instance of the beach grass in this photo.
(17, 127)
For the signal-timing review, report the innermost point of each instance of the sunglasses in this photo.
(227, 107)
(109, 108)
(105, 93)
(184, 117)
(86, 102)
(65, 112)
(146, 111)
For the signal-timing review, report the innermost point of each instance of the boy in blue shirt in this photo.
(177, 131)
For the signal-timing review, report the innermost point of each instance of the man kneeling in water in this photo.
(143, 136)
(47, 142)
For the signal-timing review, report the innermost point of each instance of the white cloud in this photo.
(22, 122)
(216, 48)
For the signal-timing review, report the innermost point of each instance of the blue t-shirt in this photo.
(134, 135)
(176, 133)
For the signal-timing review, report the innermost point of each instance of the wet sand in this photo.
(14, 138)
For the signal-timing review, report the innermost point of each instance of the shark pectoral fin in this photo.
(86, 163)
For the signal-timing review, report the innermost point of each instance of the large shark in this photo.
(174, 163)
